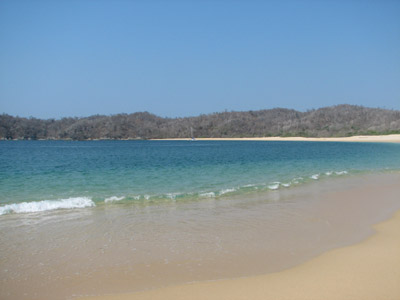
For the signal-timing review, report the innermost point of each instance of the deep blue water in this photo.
(84, 173)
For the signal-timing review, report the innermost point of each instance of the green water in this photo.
(92, 173)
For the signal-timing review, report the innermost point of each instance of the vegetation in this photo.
(340, 120)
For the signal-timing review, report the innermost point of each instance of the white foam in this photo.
(172, 195)
(297, 180)
(341, 172)
(249, 185)
(328, 173)
(285, 184)
(226, 191)
(207, 195)
(27, 207)
(114, 198)
(315, 176)
(274, 186)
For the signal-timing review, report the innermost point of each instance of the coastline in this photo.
(366, 270)
(392, 138)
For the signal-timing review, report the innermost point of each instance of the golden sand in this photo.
(392, 138)
(369, 270)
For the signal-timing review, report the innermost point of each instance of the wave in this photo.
(274, 186)
(173, 196)
(82, 202)
(45, 205)
(297, 180)
(114, 198)
(207, 195)
(249, 185)
(226, 191)
(341, 172)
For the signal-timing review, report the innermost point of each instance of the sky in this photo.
(185, 58)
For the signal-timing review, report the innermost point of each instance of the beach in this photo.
(391, 138)
(367, 270)
(356, 261)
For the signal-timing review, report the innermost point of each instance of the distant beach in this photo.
(391, 138)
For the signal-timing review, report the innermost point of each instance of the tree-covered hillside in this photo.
(340, 120)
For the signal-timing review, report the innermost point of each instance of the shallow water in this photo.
(64, 174)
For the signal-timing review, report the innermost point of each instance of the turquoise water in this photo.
(45, 175)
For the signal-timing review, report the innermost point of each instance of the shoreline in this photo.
(357, 268)
(392, 138)
(196, 242)
(366, 270)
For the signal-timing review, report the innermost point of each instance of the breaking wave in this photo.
(274, 186)
(207, 195)
(39, 206)
(341, 172)
(114, 198)
(82, 202)
(226, 191)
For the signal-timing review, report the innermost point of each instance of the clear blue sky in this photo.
(182, 58)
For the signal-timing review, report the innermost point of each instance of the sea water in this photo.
(99, 217)
(48, 175)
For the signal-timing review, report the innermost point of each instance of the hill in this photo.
(334, 121)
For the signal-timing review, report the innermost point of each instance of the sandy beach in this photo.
(392, 138)
(368, 270)
(362, 270)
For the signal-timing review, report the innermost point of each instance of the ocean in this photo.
(96, 217)
(48, 175)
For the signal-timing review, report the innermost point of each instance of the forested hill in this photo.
(341, 120)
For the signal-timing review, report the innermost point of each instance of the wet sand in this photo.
(392, 138)
(369, 270)
(345, 215)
